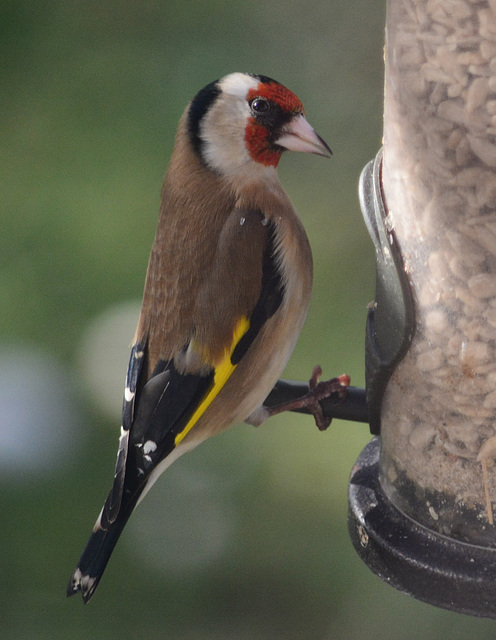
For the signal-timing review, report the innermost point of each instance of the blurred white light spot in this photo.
(104, 355)
(40, 425)
(186, 522)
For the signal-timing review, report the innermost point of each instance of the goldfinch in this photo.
(226, 294)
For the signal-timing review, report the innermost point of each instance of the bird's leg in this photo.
(317, 391)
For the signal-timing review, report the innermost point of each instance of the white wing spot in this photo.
(76, 579)
(122, 440)
(87, 584)
(98, 524)
(149, 447)
(128, 394)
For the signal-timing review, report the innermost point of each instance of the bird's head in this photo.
(243, 119)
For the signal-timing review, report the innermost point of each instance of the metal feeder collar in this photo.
(428, 566)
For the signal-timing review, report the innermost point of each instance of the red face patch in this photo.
(257, 143)
(257, 135)
(274, 91)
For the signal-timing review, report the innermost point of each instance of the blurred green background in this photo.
(246, 537)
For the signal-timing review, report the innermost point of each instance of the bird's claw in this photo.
(319, 391)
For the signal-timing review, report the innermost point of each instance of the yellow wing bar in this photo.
(221, 375)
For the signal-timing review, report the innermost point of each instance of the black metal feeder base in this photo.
(428, 566)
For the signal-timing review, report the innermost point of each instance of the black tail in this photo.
(97, 552)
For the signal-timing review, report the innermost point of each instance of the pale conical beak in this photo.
(298, 135)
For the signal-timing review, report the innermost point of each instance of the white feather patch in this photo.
(128, 394)
(238, 84)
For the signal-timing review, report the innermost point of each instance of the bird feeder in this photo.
(422, 493)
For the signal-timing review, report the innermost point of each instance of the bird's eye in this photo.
(260, 105)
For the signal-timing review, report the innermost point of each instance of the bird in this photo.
(226, 294)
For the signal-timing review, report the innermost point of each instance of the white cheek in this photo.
(223, 133)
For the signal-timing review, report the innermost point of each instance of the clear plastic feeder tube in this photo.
(438, 418)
